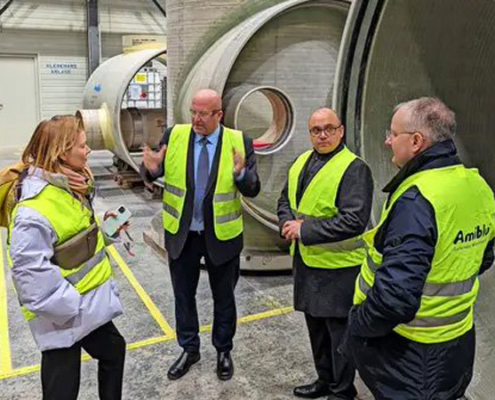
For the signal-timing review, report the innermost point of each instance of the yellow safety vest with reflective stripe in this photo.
(68, 217)
(464, 213)
(227, 211)
(318, 201)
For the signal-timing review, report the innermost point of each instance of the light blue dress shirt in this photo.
(211, 146)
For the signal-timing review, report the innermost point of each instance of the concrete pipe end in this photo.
(264, 113)
(98, 127)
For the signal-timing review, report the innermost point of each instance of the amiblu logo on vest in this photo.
(478, 233)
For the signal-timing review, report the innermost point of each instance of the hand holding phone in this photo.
(114, 221)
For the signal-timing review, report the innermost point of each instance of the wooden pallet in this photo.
(128, 179)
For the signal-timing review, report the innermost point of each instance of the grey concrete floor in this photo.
(271, 354)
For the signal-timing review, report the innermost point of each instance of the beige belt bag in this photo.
(77, 250)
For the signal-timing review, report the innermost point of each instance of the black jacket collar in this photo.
(328, 156)
(441, 154)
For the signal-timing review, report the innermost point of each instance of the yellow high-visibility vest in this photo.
(68, 217)
(464, 212)
(227, 210)
(318, 201)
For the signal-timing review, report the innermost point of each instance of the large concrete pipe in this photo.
(396, 50)
(273, 70)
(193, 26)
(109, 126)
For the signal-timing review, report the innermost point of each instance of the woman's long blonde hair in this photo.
(51, 139)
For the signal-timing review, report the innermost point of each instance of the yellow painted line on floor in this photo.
(152, 341)
(255, 317)
(153, 309)
(5, 356)
(85, 357)
(21, 371)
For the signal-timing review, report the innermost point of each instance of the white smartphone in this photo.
(112, 224)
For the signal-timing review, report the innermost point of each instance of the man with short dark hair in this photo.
(322, 210)
(411, 332)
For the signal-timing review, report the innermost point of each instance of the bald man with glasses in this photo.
(323, 209)
(206, 168)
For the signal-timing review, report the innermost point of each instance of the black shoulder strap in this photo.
(18, 186)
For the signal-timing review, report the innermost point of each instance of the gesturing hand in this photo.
(153, 159)
(239, 162)
(290, 230)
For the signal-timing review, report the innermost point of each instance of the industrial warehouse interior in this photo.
(131, 71)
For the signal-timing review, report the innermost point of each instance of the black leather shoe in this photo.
(313, 390)
(180, 366)
(225, 366)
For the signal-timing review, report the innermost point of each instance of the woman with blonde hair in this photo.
(60, 268)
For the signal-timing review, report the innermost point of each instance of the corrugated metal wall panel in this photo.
(62, 65)
(67, 15)
(111, 45)
(124, 17)
(43, 42)
(62, 81)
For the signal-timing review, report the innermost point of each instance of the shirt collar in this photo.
(212, 139)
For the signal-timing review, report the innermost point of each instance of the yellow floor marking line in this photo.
(255, 317)
(153, 309)
(21, 371)
(5, 356)
(152, 341)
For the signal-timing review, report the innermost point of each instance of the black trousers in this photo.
(61, 368)
(223, 280)
(338, 371)
(394, 367)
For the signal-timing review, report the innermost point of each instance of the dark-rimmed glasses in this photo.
(328, 129)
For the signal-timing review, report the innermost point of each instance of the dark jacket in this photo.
(407, 242)
(328, 292)
(219, 251)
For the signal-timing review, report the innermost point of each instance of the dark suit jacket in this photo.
(328, 292)
(219, 251)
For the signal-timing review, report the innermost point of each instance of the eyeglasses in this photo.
(203, 114)
(389, 134)
(328, 129)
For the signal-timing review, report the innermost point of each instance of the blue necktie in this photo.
(201, 180)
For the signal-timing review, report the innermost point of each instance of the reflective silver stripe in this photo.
(371, 264)
(172, 211)
(438, 289)
(174, 190)
(222, 197)
(365, 288)
(433, 322)
(450, 289)
(88, 266)
(344, 245)
(228, 217)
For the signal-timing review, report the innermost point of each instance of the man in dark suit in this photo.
(204, 165)
(323, 209)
